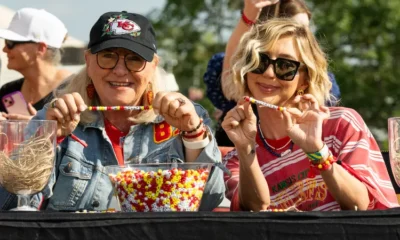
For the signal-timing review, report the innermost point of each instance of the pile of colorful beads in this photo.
(160, 191)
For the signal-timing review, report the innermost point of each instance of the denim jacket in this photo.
(79, 180)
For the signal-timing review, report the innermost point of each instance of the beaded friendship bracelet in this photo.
(319, 156)
(321, 160)
(118, 108)
(261, 103)
(325, 165)
(193, 130)
(195, 135)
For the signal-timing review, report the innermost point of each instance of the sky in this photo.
(79, 15)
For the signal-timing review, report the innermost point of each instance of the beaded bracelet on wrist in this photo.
(194, 130)
(321, 166)
(325, 165)
(194, 135)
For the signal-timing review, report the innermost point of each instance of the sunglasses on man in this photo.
(284, 69)
(11, 44)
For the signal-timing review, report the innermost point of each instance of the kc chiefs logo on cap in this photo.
(119, 24)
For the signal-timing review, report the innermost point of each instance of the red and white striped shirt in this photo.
(350, 141)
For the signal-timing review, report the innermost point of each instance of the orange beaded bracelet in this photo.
(321, 166)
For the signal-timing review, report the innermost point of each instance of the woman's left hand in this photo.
(177, 110)
(304, 125)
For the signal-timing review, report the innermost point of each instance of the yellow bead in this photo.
(319, 166)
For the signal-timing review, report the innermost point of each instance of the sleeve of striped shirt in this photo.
(232, 182)
(351, 142)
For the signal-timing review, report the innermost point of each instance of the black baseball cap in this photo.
(124, 30)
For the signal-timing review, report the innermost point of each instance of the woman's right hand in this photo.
(3, 116)
(252, 8)
(66, 111)
(240, 124)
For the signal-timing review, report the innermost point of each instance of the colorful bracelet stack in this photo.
(321, 160)
(188, 134)
(195, 133)
(324, 165)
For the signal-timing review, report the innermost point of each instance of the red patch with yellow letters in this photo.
(163, 131)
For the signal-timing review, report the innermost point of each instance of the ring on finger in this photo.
(53, 103)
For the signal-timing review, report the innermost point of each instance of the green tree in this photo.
(362, 40)
(190, 32)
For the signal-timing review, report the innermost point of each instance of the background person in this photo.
(33, 46)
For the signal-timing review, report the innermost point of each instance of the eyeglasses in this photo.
(284, 69)
(108, 60)
(11, 44)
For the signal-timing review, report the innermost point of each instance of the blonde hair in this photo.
(262, 38)
(81, 80)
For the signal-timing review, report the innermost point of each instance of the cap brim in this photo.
(141, 50)
(10, 35)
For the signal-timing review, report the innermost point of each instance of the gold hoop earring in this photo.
(300, 92)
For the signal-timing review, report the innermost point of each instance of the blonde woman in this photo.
(306, 156)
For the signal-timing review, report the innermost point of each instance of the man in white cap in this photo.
(32, 44)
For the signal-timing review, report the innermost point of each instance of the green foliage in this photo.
(361, 38)
(190, 32)
(362, 41)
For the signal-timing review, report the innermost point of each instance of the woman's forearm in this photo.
(253, 188)
(348, 191)
(233, 42)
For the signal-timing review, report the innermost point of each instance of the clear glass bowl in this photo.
(27, 153)
(164, 187)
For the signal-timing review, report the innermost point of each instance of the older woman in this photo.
(306, 156)
(121, 66)
(32, 43)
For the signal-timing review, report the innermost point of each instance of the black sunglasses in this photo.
(284, 69)
(11, 44)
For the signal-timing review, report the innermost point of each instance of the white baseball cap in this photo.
(37, 25)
